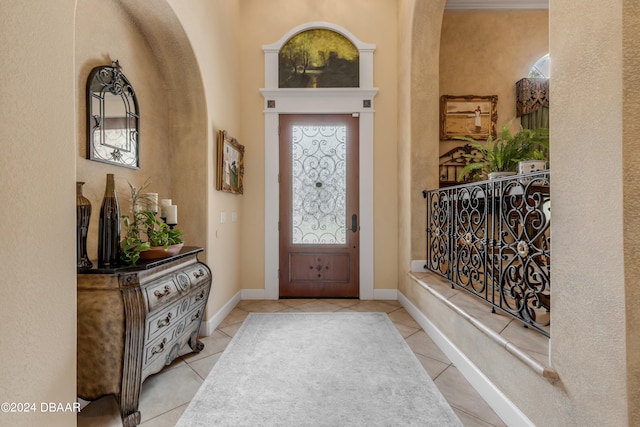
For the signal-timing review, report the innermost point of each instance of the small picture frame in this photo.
(469, 116)
(230, 164)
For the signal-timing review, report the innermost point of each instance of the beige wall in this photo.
(486, 53)
(588, 329)
(105, 33)
(265, 23)
(631, 189)
(37, 189)
(213, 29)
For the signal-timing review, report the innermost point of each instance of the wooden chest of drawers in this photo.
(134, 321)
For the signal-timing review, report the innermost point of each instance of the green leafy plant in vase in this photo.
(503, 153)
(144, 232)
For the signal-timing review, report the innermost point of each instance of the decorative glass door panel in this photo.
(319, 206)
(319, 180)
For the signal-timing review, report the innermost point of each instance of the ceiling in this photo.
(496, 4)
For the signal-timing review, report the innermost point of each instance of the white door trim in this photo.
(318, 101)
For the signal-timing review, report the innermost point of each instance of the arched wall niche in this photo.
(189, 134)
(351, 100)
(181, 100)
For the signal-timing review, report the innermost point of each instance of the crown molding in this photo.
(496, 4)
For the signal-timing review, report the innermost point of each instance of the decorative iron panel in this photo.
(492, 239)
(319, 180)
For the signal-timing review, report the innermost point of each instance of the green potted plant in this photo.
(536, 147)
(502, 156)
(145, 235)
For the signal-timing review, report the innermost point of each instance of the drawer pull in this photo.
(166, 321)
(200, 296)
(198, 274)
(159, 348)
(167, 291)
(195, 316)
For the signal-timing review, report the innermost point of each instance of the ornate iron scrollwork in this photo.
(492, 239)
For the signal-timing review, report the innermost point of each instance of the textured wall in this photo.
(37, 189)
(486, 53)
(126, 43)
(631, 189)
(213, 32)
(424, 110)
(588, 320)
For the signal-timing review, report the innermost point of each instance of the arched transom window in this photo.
(541, 68)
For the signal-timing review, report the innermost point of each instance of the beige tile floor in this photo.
(166, 395)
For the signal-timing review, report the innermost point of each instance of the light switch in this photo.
(223, 217)
(234, 216)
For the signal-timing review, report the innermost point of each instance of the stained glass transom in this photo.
(319, 181)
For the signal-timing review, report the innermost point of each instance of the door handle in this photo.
(354, 223)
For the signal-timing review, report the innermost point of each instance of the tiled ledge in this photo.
(440, 289)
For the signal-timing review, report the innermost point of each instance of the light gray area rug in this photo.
(318, 369)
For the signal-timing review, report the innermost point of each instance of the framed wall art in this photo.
(468, 115)
(230, 164)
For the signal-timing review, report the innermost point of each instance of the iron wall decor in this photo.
(230, 164)
(113, 119)
(468, 115)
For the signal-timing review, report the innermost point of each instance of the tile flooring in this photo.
(166, 395)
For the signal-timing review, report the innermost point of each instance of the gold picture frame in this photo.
(230, 164)
(469, 116)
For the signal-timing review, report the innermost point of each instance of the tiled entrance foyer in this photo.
(166, 395)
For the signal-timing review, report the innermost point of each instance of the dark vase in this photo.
(83, 215)
(109, 227)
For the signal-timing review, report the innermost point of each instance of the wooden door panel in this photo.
(319, 248)
(319, 267)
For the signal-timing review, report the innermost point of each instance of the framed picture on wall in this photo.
(468, 115)
(230, 164)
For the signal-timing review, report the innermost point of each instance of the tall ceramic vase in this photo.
(83, 215)
(109, 227)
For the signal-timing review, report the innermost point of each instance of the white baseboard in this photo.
(385, 294)
(418, 266)
(207, 328)
(501, 405)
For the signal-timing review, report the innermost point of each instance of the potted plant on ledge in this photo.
(536, 147)
(501, 157)
(147, 237)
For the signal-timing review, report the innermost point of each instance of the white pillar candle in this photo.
(152, 202)
(172, 214)
(163, 207)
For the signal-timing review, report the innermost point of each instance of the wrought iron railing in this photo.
(492, 239)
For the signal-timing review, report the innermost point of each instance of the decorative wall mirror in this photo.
(113, 126)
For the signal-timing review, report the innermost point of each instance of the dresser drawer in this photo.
(198, 296)
(198, 274)
(194, 317)
(161, 293)
(163, 321)
(162, 345)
